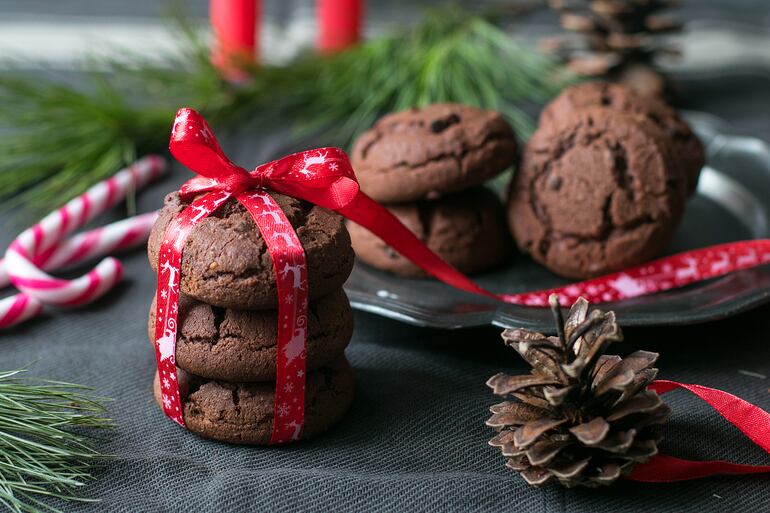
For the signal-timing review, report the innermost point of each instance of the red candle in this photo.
(236, 34)
(339, 23)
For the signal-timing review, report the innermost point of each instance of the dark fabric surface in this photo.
(415, 437)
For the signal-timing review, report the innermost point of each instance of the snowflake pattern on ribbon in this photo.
(290, 266)
(166, 310)
(659, 275)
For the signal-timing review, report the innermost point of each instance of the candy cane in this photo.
(35, 242)
(91, 244)
(85, 246)
(17, 309)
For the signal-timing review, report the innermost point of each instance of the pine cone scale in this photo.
(528, 434)
(604, 365)
(569, 470)
(618, 442)
(537, 350)
(641, 380)
(544, 452)
(643, 402)
(513, 414)
(535, 475)
(617, 381)
(591, 433)
(607, 473)
(642, 450)
(504, 384)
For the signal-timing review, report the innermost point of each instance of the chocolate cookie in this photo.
(596, 194)
(240, 345)
(243, 413)
(687, 147)
(427, 152)
(225, 261)
(467, 229)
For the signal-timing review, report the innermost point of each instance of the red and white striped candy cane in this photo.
(79, 248)
(91, 244)
(48, 233)
(17, 309)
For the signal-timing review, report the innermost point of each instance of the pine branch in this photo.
(451, 57)
(44, 449)
(58, 140)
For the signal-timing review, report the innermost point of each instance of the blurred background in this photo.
(719, 33)
(717, 64)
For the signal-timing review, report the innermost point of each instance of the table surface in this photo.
(415, 436)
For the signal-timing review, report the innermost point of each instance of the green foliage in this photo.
(450, 57)
(58, 139)
(44, 449)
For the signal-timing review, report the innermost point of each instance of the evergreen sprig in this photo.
(58, 139)
(44, 441)
(451, 57)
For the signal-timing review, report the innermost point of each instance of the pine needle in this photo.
(44, 449)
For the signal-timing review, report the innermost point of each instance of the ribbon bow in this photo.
(323, 176)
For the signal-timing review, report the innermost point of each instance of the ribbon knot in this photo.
(239, 181)
(322, 176)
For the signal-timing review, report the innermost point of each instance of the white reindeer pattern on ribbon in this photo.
(291, 283)
(311, 161)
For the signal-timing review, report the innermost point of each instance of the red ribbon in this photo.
(754, 422)
(324, 177)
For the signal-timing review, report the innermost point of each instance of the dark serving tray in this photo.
(732, 203)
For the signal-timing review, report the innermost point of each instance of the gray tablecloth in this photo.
(415, 437)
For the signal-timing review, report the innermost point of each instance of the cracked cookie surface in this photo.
(467, 229)
(225, 262)
(424, 153)
(597, 193)
(688, 150)
(240, 345)
(243, 413)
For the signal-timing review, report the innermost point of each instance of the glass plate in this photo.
(732, 203)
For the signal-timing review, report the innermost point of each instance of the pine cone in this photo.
(613, 35)
(582, 417)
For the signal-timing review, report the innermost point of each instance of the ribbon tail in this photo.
(291, 283)
(753, 421)
(668, 469)
(374, 217)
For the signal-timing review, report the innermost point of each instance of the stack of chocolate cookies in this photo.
(226, 340)
(603, 182)
(427, 166)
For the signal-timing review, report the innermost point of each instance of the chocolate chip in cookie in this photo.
(225, 261)
(596, 193)
(424, 153)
